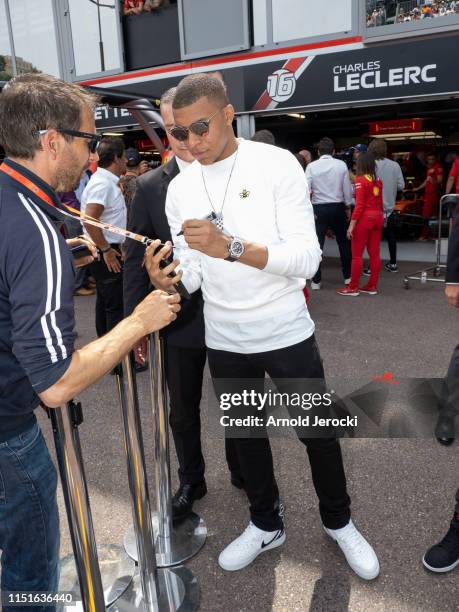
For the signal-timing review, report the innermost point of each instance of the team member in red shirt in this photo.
(453, 179)
(366, 225)
(431, 186)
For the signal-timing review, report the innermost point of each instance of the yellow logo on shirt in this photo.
(244, 194)
(376, 191)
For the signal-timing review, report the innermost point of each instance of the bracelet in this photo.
(106, 250)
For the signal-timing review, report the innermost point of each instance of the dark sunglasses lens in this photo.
(200, 128)
(180, 133)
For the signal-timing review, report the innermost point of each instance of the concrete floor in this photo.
(402, 490)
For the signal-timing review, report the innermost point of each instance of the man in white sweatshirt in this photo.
(251, 263)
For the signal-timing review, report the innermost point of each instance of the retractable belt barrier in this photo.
(437, 268)
(98, 575)
(175, 542)
(153, 588)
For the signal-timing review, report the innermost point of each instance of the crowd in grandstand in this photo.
(135, 7)
(381, 14)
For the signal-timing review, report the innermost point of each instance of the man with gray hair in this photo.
(392, 178)
(47, 130)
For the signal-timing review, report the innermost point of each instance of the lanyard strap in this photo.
(20, 178)
(23, 180)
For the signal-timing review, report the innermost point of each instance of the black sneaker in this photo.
(366, 272)
(444, 556)
(445, 430)
(391, 267)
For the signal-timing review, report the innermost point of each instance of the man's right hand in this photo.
(159, 277)
(111, 260)
(157, 310)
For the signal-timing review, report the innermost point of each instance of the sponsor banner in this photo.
(108, 117)
(375, 73)
(417, 68)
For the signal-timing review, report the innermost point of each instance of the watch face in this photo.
(237, 248)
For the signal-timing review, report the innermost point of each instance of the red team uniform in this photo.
(368, 213)
(455, 174)
(431, 195)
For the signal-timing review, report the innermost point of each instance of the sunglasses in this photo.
(93, 139)
(198, 128)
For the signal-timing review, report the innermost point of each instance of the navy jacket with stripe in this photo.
(36, 300)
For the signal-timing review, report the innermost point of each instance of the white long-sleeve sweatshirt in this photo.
(249, 310)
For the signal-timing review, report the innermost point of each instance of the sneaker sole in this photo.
(439, 570)
(392, 271)
(348, 294)
(235, 568)
(368, 292)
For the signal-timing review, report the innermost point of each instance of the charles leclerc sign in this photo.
(400, 70)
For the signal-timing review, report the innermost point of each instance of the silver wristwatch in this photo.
(235, 249)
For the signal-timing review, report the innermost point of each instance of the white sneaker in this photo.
(315, 286)
(358, 552)
(347, 281)
(246, 548)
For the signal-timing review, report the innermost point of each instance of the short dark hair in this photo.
(168, 96)
(33, 102)
(378, 147)
(109, 149)
(265, 136)
(366, 164)
(326, 146)
(196, 86)
(301, 160)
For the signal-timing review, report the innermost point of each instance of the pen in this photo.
(209, 217)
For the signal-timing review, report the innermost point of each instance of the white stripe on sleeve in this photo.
(57, 305)
(49, 278)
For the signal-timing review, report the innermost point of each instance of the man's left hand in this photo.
(204, 236)
(89, 244)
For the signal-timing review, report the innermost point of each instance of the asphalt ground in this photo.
(402, 489)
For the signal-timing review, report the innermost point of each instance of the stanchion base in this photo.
(117, 570)
(178, 592)
(187, 539)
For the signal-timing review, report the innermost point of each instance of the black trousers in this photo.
(254, 457)
(449, 404)
(184, 374)
(389, 232)
(109, 301)
(333, 216)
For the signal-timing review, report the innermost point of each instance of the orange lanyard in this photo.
(23, 180)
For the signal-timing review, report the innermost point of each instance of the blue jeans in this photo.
(29, 519)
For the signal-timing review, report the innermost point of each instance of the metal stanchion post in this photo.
(175, 542)
(436, 269)
(81, 572)
(153, 589)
